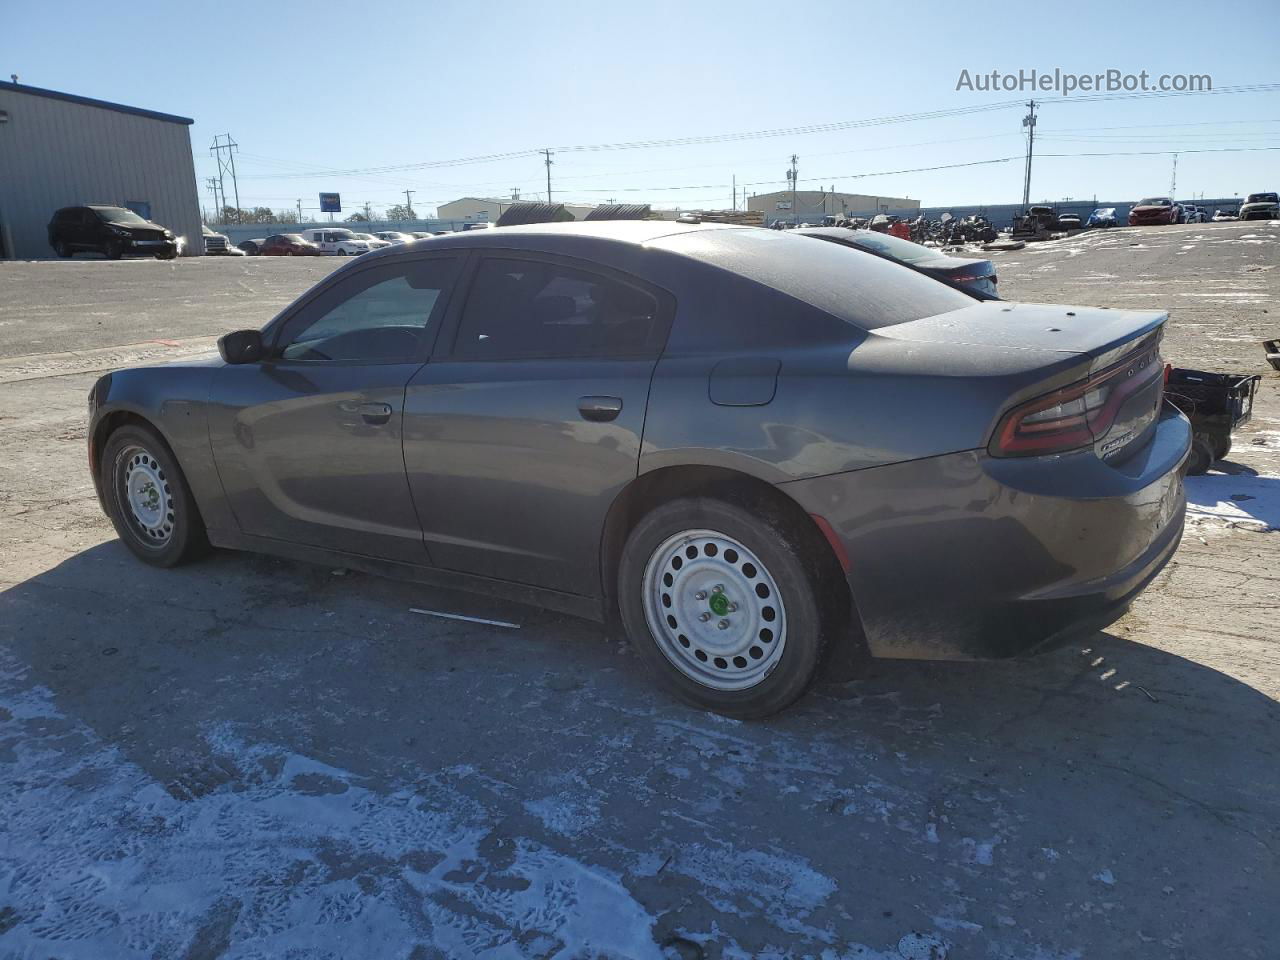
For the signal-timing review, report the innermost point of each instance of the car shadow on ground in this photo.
(286, 749)
(1237, 494)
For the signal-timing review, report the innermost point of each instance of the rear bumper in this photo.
(966, 556)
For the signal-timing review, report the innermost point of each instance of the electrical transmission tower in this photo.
(224, 151)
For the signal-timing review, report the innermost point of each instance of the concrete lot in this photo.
(254, 758)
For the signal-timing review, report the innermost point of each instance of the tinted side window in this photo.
(527, 308)
(379, 315)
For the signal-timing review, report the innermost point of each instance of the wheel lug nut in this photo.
(718, 588)
(723, 624)
(700, 595)
(705, 617)
(733, 607)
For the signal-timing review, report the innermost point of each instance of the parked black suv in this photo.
(113, 231)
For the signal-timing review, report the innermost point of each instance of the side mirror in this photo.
(243, 346)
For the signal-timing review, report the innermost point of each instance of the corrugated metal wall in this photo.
(59, 154)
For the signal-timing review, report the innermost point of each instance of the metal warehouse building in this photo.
(59, 150)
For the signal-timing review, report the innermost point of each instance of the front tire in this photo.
(112, 250)
(61, 249)
(148, 499)
(725, 605)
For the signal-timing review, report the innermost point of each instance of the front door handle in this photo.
(599, 409)
(375, 413)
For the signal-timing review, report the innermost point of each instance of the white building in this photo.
(488, 209)
(60, 150)
(810, 206)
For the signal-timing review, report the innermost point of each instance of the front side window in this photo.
(379, 315)
(525, 308)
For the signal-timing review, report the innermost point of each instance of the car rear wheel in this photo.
(61, 249)
(112, 250)
(148, 499)
(1201, 457)
(725, 605)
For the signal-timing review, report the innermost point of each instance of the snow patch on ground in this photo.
(1237, 500)
(255, 851)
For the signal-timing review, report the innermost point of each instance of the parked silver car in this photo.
(743, 445)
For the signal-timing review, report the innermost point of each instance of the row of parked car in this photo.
(328, 241)
(1163, 210)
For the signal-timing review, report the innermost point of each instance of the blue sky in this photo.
(312, 87)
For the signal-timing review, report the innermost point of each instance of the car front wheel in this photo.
(148, 499)
(725, 604)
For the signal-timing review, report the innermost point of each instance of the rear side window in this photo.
(857, 287)
(529, 308)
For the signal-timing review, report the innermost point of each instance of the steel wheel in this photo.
(714, 610)
(145, 491)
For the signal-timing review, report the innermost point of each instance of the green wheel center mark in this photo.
(719, 604)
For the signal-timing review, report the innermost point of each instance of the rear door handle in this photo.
(375, 413)
(599, 409)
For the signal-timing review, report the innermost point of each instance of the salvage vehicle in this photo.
(1103, 217)
(1035, 224)
(1154, 210)
(1225, 216)
(1216, 404)
(396, 236)
(110, 231)
(252, 247)
(970, 275)
(1069, 221)
(1260, 206)
(288, 245)
(374, 242)
(742, 446)
(337, 241)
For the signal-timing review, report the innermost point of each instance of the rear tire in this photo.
(725, 605)
(1221, 448)
(1201, 457)
(61, 249)
(148, 499)
(112, 250)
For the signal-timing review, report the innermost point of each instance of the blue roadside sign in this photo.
(330, 203)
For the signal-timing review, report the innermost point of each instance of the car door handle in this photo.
(599, 409)
(375, 412)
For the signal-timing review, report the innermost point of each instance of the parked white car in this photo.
(1192, 214)
(372, 240)
(337, 240)
(1221, 216)
(395, 236)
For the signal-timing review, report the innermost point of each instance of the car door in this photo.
(308, 441)
(527, 422)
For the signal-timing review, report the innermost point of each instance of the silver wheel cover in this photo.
(146, 494)
(714, 610)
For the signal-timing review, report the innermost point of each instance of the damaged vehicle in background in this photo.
(973, 276)
(1260, 206)
(110, 231)
(1103, 217)
(1153, 211)
(743, 445)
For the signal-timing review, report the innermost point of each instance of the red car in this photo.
(288, 245)
(1154, 210)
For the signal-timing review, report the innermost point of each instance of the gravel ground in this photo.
(252, 758)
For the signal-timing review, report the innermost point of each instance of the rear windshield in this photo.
(867, 291)
(890, 246)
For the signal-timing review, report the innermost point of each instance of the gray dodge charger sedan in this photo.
(746, 447)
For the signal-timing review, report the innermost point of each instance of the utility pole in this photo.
(408, 202)
(1029, 122)
(299, 209)
(367, 217)
(212, 184)
(224, 144)
(547, 154)
(1173, 183)
(515, 194)
(735, 192)
(792, 176)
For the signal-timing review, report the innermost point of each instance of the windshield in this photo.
(295, 237)
(1261, 198)
(117, 215)
(1156, 202)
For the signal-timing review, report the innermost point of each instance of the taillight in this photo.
(1077, 415)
